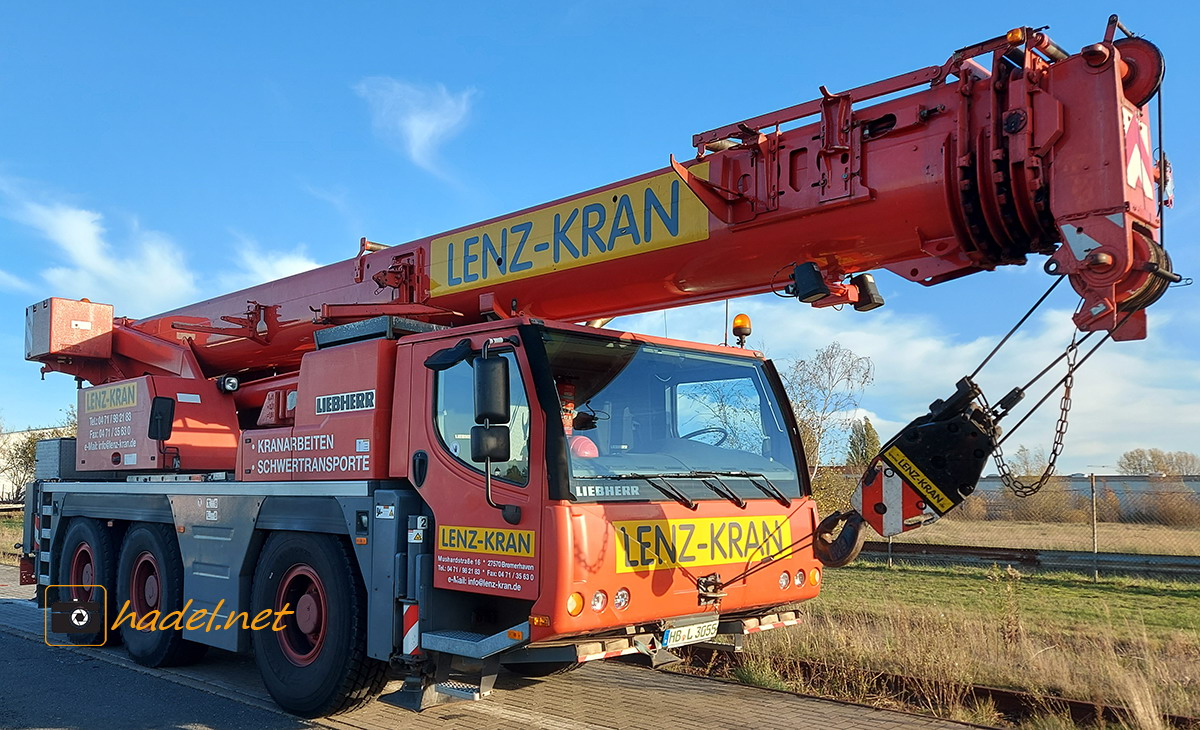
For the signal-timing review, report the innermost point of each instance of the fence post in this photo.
(1095, 541)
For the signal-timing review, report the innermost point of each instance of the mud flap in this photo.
(930, 467)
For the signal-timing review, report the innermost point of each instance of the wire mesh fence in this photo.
(1148, 515)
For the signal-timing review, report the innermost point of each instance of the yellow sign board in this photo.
(492, 540)
(914, 476)
(647, 215)
(110, 397)
(643, 545)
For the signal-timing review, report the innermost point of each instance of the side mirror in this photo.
(162, 418)
(449, 357)
(491, 390)
(489, 443)
(490, 440)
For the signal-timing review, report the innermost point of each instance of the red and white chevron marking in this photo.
(412, 635)
(898, 501)
(607, 654)
(768, 627)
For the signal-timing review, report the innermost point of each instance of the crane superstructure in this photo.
(421, 453)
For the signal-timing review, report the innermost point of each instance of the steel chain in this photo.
(1018, 487)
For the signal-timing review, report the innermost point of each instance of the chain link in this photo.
(1007, 478)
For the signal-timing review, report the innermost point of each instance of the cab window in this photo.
(454, 415)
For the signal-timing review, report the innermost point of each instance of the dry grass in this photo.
(1007, 630)
(10, 534)
(1113, 537)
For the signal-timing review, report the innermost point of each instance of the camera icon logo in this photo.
(83, 621)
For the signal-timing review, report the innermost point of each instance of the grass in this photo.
(10, 534)
(1113, 537)
(1126, 642)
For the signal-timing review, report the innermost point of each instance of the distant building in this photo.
(7, 440)
(1119, 483)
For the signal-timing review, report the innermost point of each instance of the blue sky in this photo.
(157, 154)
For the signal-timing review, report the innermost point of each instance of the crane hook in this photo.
(836, 552)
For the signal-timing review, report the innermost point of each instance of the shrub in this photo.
(974, 508)
(1108, 506)
(1173, 509)
(832, 490)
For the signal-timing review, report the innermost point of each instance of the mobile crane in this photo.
(420, 454)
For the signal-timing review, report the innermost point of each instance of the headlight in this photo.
(599, 601)
(799, 580)
(621, 599)
(785, 580)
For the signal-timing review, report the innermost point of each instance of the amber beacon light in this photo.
(741, 328)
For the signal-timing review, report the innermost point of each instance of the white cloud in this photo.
(259, 265)
(1129, 395)
(9, 282)
(419, 119)
(339, 200)
(140, 274)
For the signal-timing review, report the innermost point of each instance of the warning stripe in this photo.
(607, 654)
(893, 498)
(412, 634)
(768, 627)
(867, 496)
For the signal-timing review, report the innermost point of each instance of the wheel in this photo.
(150, 578)
(317, 664)
(713, 429)
(88, 558)
(542, 669)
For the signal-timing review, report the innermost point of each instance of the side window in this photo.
(454, 415)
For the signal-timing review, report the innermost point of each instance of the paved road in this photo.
(77, 687)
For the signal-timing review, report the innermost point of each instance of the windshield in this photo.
(649, 422)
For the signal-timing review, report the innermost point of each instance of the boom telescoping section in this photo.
(1012, 147)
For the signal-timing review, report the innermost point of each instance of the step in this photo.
(460, 690)
(474, 645)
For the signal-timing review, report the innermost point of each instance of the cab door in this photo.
(478, 548)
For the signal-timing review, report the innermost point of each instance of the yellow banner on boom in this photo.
(650, 214)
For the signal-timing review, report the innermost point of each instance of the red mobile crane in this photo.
(418, 453)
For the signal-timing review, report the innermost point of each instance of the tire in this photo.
(317, 665)
(542, 669)
(150, 578)
(89, 557)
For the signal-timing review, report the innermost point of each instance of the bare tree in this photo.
(18, 458)
(1027, 462)
(1157, 461)
(824, 390)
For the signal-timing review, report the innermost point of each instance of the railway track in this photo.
(1186, 567)
(1013, 705)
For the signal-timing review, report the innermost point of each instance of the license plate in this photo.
(690, 634)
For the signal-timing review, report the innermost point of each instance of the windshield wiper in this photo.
(724, 491)
(703, 476)
(768, 489)
(666, 487)
(672, 491)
